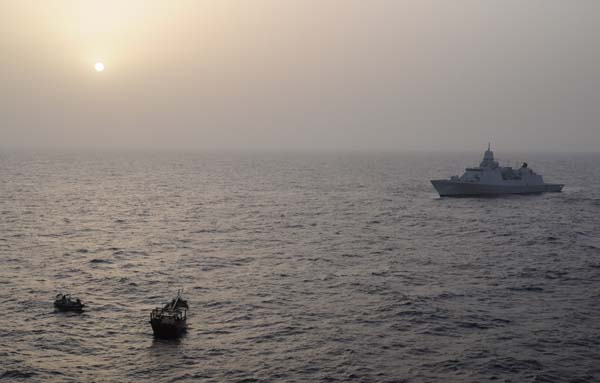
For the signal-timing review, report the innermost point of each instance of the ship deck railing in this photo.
(159, 313)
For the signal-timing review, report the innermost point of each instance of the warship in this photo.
(491, 179)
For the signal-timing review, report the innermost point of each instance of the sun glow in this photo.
(99, 67)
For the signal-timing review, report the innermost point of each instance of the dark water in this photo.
(298, 268)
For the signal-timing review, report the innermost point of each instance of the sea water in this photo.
(298, 267)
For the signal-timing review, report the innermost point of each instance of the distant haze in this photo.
(312, 74)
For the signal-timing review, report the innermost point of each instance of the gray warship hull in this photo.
(449, 188)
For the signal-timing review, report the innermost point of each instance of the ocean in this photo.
(298, 267)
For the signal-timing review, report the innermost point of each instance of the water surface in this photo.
(299, 267)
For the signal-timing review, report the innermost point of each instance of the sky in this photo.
(301, 74)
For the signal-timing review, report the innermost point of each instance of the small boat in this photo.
(169, 321)
(64, 302)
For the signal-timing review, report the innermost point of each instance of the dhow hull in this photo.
(447, 188)
(168, 329)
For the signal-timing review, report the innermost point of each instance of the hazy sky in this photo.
(349, 74)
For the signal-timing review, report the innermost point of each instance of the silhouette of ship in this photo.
(64, 302)
(169, 321)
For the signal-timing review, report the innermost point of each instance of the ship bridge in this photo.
(488, 159)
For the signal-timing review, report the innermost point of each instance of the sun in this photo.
(99, 67)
